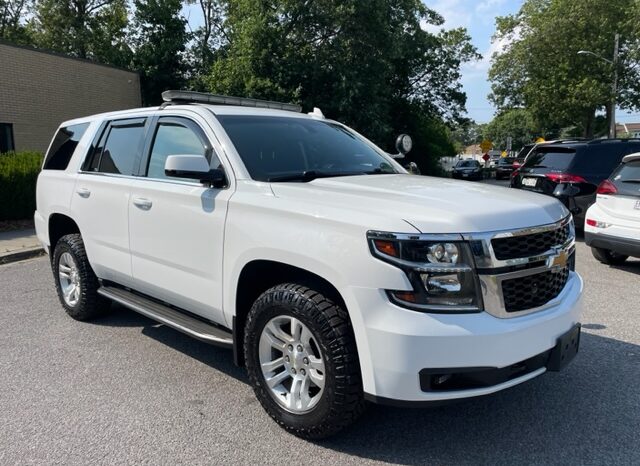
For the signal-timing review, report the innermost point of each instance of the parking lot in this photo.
(126, 390)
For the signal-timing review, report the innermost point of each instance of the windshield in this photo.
(506, 161)
(467, 164)
(300, 149)
(552, 158)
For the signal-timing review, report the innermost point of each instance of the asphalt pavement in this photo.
(125, 390)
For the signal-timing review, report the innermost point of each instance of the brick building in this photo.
(39, 90)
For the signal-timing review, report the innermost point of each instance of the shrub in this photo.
(18, 175)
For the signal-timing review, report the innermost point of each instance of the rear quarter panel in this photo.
(54, 188)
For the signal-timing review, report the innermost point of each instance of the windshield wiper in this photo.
(309, 175)
(378, 171)
(631, 180)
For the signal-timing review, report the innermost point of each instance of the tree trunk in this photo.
(589, 123)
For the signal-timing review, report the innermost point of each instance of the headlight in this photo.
(439, 268)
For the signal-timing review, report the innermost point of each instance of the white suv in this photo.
(334, 275)
(612, 224)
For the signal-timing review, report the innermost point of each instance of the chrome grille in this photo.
(526, 270)
(516, 247)
(533, 291)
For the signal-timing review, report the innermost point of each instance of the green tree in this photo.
(13, 15)
(468, 132)
(208, 40)
(92, 29)
(369, 64)
(160, 39)
(517, 123)
(540, 68)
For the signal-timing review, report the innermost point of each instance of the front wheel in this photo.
(608, 257)
(302, 361)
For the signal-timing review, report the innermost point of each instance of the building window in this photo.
(6, 137)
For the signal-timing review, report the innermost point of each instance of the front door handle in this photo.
(83, 192)
(142, 203)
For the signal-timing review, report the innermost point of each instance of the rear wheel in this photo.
(609, 257)
(76, 284)
(302, 361)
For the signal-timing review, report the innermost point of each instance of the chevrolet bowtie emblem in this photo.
(560, 260)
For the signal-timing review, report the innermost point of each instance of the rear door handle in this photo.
(83, 192)
(142, 203)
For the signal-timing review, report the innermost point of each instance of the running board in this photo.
(168, 316)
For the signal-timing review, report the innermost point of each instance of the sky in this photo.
(478, 17)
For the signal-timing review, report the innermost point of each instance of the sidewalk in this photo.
(19, 245)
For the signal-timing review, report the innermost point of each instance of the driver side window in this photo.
(176, 136)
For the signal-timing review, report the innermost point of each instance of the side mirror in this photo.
(195, 167)
(413, 168)
(403, 146)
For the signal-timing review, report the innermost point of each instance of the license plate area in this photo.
(530, 182)
(565, 350)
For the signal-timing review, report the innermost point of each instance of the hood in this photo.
(431, 205)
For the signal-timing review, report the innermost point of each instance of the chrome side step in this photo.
(169, 316)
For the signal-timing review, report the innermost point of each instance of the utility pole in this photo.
(612, 123)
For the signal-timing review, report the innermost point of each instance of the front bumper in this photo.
(395, 344)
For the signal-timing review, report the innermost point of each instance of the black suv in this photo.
(572, 171)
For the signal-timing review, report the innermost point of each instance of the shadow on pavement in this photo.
(218, 358)
(589, 413)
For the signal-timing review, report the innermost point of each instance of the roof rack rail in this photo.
(192, 97)
(565, 141)
(600, 141)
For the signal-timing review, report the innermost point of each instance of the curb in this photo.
(20, 255)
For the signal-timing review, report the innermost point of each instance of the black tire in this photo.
(89, 305)
(608, 257)
(342, 400)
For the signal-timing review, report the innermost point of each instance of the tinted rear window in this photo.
(121, 149)
(524, 151)
(555, 159)
(63, 146)
(601, 159)
(506, 161)
(628, 172)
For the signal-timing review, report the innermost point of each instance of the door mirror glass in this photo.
(195, 167)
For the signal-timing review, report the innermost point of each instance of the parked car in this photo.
(612, 226)
(467, 170)
(505, 167)
(334, 275)
(572, 171)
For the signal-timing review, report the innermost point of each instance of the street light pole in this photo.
(614, 87)
(612, 123)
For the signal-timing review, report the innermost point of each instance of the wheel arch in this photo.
(60, 225)
(258, 276)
